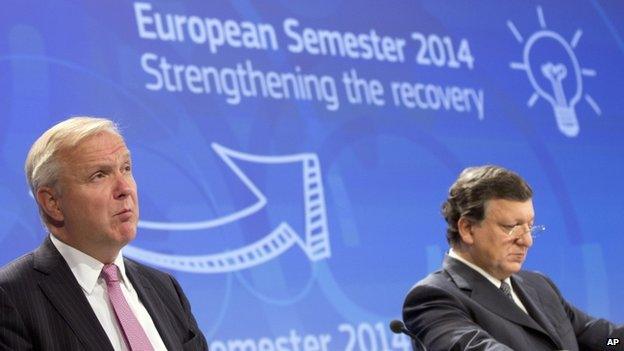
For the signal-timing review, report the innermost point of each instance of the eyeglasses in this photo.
(519, 230)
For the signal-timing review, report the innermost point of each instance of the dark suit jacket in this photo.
(42, 306)
(457, 308)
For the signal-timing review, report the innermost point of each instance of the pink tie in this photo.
(135, 335)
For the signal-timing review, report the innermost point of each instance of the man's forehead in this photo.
(98, 148)
(508, 207)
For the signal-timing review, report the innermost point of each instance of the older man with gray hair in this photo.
(77, 291)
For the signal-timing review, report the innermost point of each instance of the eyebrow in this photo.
(125, 158)
(522, 221)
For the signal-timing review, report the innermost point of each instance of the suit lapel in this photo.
(153, 304)
(530, 299)
(64, 292)
(487, 295)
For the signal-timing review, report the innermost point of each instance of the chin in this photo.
(127, 229)
(515, 268)
(129, 236)
(124, 237)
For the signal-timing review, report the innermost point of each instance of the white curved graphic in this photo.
(211, 223)
(260, 203)
(555, 73)
(315, 242)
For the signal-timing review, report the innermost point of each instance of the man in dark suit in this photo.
(481, 300)
(76, 291)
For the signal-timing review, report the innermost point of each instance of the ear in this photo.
(48, 199)
(465, 225)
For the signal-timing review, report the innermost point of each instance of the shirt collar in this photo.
(85, 268)
(497, 283)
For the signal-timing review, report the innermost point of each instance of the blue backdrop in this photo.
(292, 156)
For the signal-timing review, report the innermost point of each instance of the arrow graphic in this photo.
(314, 243)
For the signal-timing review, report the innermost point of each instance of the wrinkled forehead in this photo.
(100, 147)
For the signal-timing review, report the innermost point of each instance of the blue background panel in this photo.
(305, 217)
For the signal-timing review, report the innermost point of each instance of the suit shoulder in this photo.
(438, 280)
(17, 271)
(436, 291)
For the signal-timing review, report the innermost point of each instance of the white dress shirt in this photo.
(87, 271)
(497, 283)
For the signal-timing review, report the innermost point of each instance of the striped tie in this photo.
(506, 289)
(135, 335)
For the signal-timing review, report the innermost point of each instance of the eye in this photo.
(98, 175)
(508, 227)
(127, 168)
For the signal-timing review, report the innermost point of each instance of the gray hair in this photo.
(43, 164)
(473, 188)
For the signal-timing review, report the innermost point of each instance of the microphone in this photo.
(398, 327)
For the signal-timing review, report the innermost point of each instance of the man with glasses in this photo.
(481, 299)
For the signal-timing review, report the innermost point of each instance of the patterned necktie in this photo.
(135, 335)
(506, 289)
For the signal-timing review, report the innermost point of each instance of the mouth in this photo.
(123, 212)
(518, 256)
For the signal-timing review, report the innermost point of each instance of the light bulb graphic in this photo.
(549, 78)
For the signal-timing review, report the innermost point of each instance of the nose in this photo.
(124, 186)
(525, 239)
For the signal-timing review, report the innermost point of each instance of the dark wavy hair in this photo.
(473, 188)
